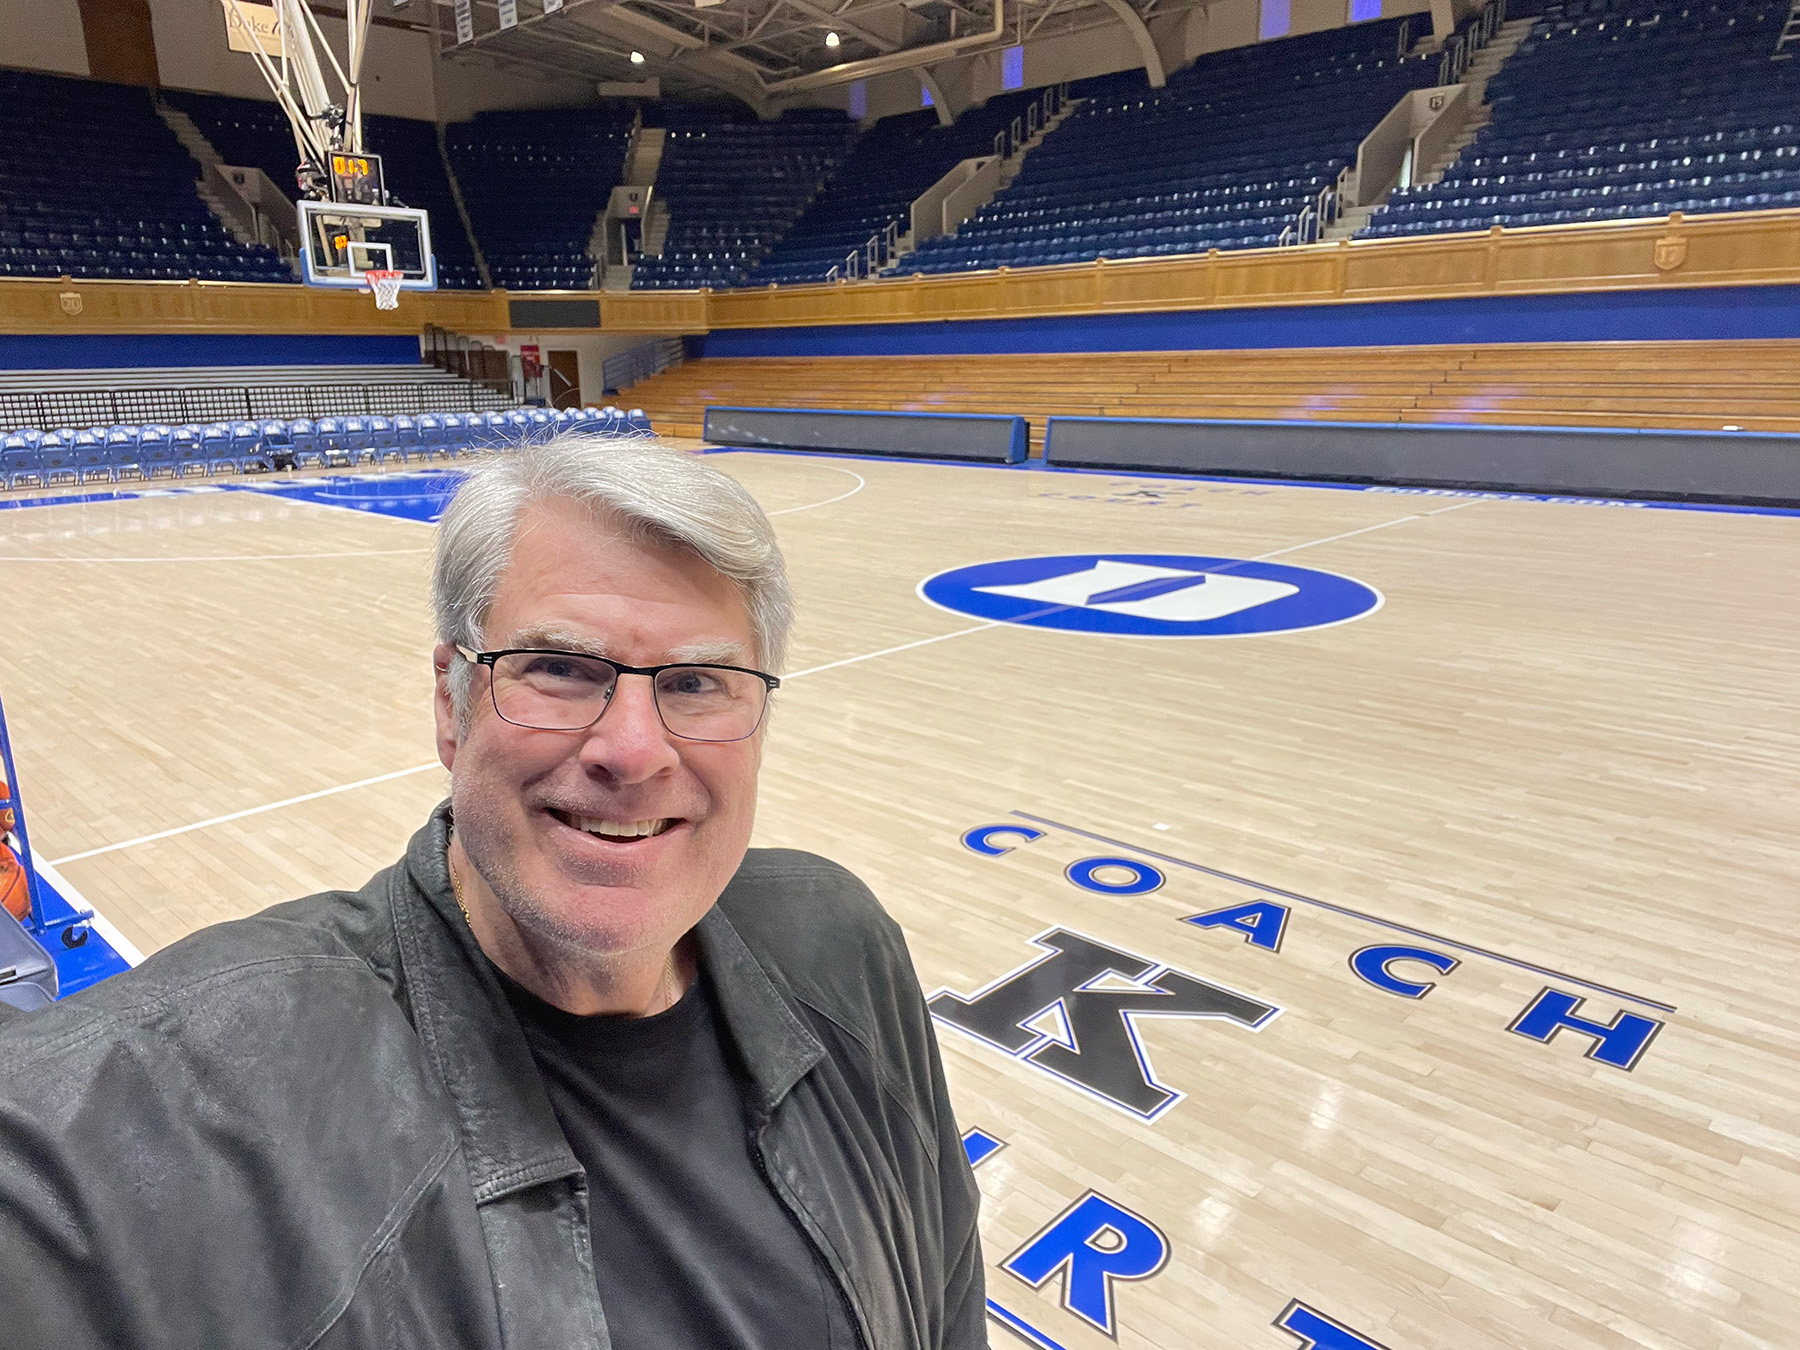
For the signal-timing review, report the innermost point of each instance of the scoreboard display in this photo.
(357, 179)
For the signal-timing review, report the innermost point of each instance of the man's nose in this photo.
(630, 741)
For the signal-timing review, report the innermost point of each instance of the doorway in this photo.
(565, 379)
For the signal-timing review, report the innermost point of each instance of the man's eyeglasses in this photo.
(566, 691)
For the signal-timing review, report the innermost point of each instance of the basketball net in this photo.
(386, 286)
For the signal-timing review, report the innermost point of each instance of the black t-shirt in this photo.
(691, 1247)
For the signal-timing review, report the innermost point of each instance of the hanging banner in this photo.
(248, 27)
(465, 21)
(509, 13)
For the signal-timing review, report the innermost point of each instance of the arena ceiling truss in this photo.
(764, 52)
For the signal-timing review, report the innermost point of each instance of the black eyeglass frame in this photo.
(771, 683)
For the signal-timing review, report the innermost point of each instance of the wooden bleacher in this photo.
(1699, 386)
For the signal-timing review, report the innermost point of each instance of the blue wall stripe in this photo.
(72, 351)
(1619, 316)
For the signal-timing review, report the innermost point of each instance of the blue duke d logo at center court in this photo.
(1151, 595)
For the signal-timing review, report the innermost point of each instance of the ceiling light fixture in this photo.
(637, 58)
(831, 40)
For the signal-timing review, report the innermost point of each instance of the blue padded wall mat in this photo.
(123, 351)
(1614, 316)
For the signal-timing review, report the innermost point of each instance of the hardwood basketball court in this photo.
(1555, 761)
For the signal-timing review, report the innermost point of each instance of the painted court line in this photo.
(796, 675)
(1020, 1327)
(102, 925)
(889, 651)
(250, 811)
(1014, 623)
(228, 557)
(1351, 534)
(861, 483)
(1347, 912)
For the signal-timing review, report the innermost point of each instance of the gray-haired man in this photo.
(580, 1070)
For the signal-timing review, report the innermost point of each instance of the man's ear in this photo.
(442, 708)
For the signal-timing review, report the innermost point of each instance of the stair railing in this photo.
(1459, 51)
(1315, 217)
(1790, 33)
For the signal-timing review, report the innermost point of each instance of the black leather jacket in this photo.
(321, 1127)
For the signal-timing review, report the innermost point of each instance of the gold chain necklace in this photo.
(662, 985)
(456, 889)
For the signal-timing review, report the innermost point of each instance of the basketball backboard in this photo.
(343, 241)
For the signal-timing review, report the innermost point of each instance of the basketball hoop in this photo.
(386, 286)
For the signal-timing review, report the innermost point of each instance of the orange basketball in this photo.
(15, 890)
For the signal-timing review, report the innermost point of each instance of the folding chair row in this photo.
(116, 453)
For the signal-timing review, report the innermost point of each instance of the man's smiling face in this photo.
(529, 805)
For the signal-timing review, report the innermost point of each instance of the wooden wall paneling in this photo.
(1750, 248)
(37, 306)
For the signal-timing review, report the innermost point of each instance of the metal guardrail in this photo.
(641, 362)
(1009, 141)
(1322, 212)
(138, 407)
(1315, 217)
(1460, 50)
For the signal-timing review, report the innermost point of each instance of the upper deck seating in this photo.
(415, 173)
(890, 166)
(535, 180)
(733, 189)
(94, 184)
(1619, 108)
(1225, 156)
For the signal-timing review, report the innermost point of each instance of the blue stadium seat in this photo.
(304, 436)
(248, 448)
(277, 439)
(429, 429)
(19, 461)
(188, 451)
(542, 425)
(215, 445)
(91, 459)
(155, 457)
(637, 423)
(468, 433)
(533, 186)
(496, 431)
(132, 211)
(56, 455)
(358, 440)
(122, 449)
(1617, 110)
(384, 439)
(407, 438)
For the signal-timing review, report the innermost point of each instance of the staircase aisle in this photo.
(1482, 69)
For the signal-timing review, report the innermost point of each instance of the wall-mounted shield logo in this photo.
(1671, 252)
(70, 302)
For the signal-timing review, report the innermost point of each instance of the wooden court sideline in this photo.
(1564, 743)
